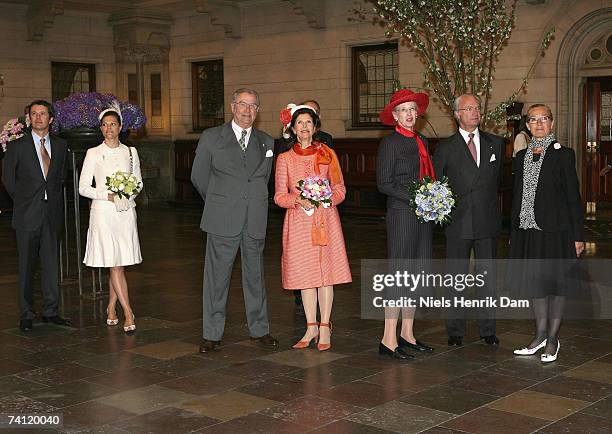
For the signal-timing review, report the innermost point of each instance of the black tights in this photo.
(548, 312)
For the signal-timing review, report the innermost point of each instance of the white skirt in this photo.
(112, 238)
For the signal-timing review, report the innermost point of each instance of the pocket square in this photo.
(492, 158)
(269, 153)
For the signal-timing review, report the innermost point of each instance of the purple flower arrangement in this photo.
(82, 109)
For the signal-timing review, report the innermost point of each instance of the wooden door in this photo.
(598, 140)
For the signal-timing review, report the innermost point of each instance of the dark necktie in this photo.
(46, 158)
(472, 147)
(242, 141)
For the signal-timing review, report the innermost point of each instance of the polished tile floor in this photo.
(156, 381)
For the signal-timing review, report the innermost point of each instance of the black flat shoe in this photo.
(418, 346)
(490, 340)
(398, 353)
(56, 319)
(455, 340)
(207, 346)
(25, 325)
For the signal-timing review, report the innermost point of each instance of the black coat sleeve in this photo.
(385, 180)
(571, 188)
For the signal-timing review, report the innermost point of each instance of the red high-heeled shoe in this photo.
(305, 344)
(325, 347)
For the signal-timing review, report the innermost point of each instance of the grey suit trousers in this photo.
(220, 255)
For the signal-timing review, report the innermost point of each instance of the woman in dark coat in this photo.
(403, 157)
(546, 228)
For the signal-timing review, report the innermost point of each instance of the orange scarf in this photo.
(425, 165)
(324, 155)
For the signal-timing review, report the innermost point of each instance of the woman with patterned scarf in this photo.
(546, 227)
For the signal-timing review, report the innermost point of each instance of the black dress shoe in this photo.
(266, 341)
(490, 340)
(56, 319)
(455, 340)
(298, 298)
(206, 346)
(418, 346)
(25, 325)
(398, 353)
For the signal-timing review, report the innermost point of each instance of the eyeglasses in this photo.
(470, 109)
(243, 105)
(536, 119)
(406, 110)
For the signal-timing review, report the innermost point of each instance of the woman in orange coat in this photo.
(314, 256)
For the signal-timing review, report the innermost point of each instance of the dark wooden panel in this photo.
(6, 203)
(184, 154)
(358, 160)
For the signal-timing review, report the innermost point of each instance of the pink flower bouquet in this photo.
(316, 190)
(13, 130)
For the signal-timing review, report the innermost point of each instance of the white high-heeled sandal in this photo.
(132, 327)
(111, 322)
(530, 351)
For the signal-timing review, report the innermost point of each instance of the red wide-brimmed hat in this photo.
(400, 97)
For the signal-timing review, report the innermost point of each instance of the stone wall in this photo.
(288, 54)
(26, 65)
(279, 52)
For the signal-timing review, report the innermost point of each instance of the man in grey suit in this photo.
(231, 172)
(472, 160)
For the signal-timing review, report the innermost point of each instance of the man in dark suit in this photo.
(32, 175)
(231, 172)
(472, 161)
(320, 135)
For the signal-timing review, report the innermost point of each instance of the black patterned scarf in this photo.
(531, 174)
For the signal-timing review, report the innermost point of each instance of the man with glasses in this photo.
(472, 161)
(231, 172)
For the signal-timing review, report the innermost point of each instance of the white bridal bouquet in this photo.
(124, 185)
(431, 200)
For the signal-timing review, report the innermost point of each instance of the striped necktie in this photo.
(242, 141)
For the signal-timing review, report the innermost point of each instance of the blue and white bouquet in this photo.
(431, 200)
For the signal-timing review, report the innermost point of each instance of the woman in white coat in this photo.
(112, 237)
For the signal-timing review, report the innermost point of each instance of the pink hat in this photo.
(400, 97)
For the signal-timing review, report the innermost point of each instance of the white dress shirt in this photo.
(466, 137)
(37, 138)
(238, 132)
